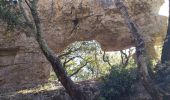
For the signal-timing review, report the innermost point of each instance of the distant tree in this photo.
(85, 60)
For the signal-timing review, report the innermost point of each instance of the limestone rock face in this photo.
(67, 21)
(21, 62)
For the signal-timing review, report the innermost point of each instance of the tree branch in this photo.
(78, 70)
(72, 89)
(67, 53)
(106, 60)
(148, 83)
(125, 57)
(67, 61)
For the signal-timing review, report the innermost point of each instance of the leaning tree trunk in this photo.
(166, 47)
(72, 89)
(152, 89)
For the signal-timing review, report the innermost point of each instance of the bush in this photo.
(11, 14)
(118, 83)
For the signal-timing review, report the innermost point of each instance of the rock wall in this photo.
(67, 21)
(100, 20)
(21, 62)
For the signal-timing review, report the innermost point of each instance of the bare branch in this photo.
(28, 4)
(125, 57)
(106, 59)
(67, 61)
(69, 52)
(78, 70)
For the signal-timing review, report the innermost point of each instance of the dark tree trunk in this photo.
(72, 88)
(166, 47)
(152, 89)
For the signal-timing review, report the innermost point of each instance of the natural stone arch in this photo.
(97, 21)
(101, 22)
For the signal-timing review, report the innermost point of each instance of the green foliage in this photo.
(85, 52)
(118, 83)
(98, 63)
(162, 72)
(10, 14)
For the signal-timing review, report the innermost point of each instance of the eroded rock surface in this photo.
(21, 62)
(67, 21)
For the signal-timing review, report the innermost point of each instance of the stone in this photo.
(100, 20)
(22, 64)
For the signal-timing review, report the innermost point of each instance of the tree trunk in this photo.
(166, 47)
(152, 89)
(72, 88)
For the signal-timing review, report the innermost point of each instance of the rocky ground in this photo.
(54, 91)
(49, 91)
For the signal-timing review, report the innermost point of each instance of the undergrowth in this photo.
(118, 83)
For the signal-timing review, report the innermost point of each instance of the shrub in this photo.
(118, 83)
